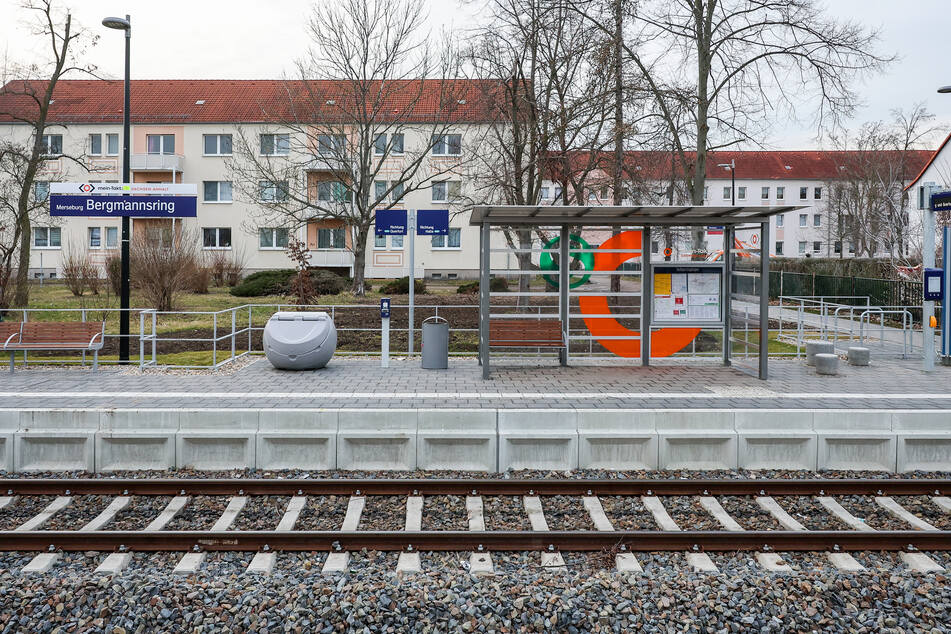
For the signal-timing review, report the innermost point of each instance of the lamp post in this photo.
(124, 25)
(732, 167)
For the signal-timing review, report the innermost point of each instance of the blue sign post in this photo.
(391, 222)
(432, 222)
(118, 206)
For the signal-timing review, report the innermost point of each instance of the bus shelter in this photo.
(621, 293)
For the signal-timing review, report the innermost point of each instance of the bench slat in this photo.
(533, 333)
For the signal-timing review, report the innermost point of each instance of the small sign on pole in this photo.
(385, 331)
(432, 222)
(391, 222)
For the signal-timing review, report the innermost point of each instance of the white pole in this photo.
(411, 236)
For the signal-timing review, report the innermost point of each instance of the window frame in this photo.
(273, 231)
(803, 193)
(276, 186)
(217, 136)
(217, 246)
(764, 193)
(323, 230)
(780, 221)
(741, 193)
(816, 220)
(727, 193)
(115, 232)
(444, 141)
(446, 239)
(218, 200)
(97, 136)
(49, 238)
(110, 135)
(817, 246)
(162, 138)
(89, 234)
(780, 192)
(336, 148)
(779, 247)
(803, 220)
(817, 193)
(802, 247)
(276, 144)
(46, 142)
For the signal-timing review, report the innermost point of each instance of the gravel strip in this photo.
(808, 512)
(383, 513)
(445, 513)
(566, 513)
(627, 513)
(23, 508)
(749, 514)
(688, 514)
(261, 513)
(200, 514)
(865, 507)
(925, 508)
(82, 509)
(505, 513)
(141, 510)
(323, 513)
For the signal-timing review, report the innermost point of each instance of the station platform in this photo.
(355, 415)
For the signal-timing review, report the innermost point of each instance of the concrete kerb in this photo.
(457, 439)
(855, 440)
(297, 439)
(538, 439)
(617, 439)
(696, 439)
(923, 440)
(9, 424)
(776, 439)
(137, 439)
(372, 439)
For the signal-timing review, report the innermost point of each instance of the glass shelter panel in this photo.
(746, 298)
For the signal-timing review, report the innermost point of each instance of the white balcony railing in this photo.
(157, 162)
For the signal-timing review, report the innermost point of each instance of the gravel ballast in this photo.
(505, 513)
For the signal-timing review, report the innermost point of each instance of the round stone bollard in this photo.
(859, 356)
(827, 363)
(817, 347)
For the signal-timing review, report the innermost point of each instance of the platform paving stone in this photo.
(361, 383)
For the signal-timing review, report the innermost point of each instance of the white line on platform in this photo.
(700, 562)
(480, 563)
(338, 561)
(624, 562)
(190, 562)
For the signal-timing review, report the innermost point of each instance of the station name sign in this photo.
(149, 206)
(87, 189)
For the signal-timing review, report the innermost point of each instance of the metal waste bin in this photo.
(435, 347)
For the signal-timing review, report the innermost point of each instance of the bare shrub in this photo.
(114, 273)
(91, 276)
(301, 287)
(74, 272)
(162, 270)
(203, 273)
(226, 267)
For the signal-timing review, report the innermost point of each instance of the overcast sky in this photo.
(179, 39)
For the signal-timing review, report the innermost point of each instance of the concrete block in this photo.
(296, 450)
(859, 451)
(54, 451)
(9, 420)
(695, 420)
(777, 450)
(139, 420)
(827, 364)
(305, 420)
(924, 451)
(72, 420)
(457, 439)
(6, 451)
(703, 450)
(921, 420)
(372, 439)
(773, 420)
(859, 356)
(135, 450)
(617, 439)
(219, 420)
(817, 347)
(538, 439)
(848, 421)
(214, 450)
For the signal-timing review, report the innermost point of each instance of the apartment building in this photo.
(186, 131)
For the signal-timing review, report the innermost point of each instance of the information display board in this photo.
(689, 294)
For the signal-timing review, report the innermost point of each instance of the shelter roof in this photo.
(624, 216)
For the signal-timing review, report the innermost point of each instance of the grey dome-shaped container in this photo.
(299, 341)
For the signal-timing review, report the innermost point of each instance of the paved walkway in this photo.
(362, 383)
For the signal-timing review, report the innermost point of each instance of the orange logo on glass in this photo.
(664, 342)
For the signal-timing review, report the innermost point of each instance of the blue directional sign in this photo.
(941, 201)
(432, 222)
(132, 206)
(385, 308)
(391, 222)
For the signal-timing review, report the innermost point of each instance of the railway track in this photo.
(613, 519)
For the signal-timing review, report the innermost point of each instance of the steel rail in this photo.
(473, 486)
(250, 541)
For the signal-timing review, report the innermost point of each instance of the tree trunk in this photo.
(618, 130)
(21, 296)
(524, 264)
(359, 261)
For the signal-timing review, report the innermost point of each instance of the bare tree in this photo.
(357, 130)
(25, 98)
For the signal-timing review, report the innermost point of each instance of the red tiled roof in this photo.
(760, 165)
(250, 101)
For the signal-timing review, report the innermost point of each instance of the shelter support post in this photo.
(484, 255)
(764, 302)
(647, 294)
(727, 292)
(564, 281)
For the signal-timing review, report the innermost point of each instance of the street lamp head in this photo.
(728, 166)
(117, 23)
(944, 90)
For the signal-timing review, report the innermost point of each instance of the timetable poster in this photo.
(687, 294)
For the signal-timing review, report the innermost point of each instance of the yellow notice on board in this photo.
(662, 283)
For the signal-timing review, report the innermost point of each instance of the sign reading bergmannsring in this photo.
(132, 206)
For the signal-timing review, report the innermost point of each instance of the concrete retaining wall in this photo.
(477, 439)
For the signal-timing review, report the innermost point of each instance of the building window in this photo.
(272, 192)
(51, 144)
(396, 191)
(331, 238)
(706, 193)
(444, 191)
(557, 192)
(95, 144)
(396, 242)
(453, 241)
(41, 191)
(160, 143)
(764, 193)
(112, 237)
(779, 248)
(803, 193)
(837, 247)
(816, 220)
(726, 193)
(780, 193)
(216, 237)
(741, 193)
(331, 144)
(447, 144)
(272, 237)
(780, 220)
(275, 144)
(95, 237)
(852, 248)
(112, 144)
(802, 220)
(544, 193)
(396, 144)
(379, 190)
(217, 144)
(47, 237)
(379, 242)
(817, 193)
(816, 246)
(333, 191)
(217, 192)
(802, 247)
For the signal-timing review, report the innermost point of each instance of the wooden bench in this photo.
(526, 333)
(53, 335)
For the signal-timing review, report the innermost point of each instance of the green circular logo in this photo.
(547, 263)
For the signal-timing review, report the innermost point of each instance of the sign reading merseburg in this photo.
(132, 206)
